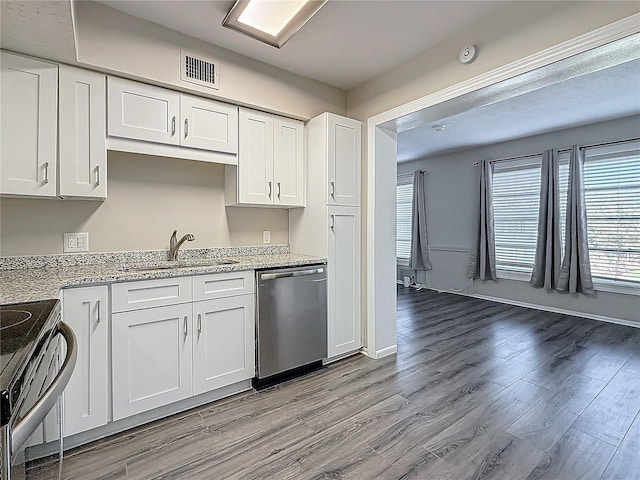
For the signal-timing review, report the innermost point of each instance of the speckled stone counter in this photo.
(21, 282)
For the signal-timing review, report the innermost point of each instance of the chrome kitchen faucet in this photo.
(175, 244)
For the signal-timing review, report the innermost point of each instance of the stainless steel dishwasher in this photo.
(291, 322)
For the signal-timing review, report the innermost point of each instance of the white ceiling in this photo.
(603, 95)
(344, 44)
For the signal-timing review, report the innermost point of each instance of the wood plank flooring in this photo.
(478, 390)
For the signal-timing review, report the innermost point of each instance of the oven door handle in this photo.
(21, 431)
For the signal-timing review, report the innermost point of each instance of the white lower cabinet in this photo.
(223, 342)
(343, 281)
(151, 357)
(172, 351)
(86, 311)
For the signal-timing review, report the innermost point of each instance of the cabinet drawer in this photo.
(220, 285)
(150, 293)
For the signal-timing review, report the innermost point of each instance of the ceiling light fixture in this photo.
(271, 21)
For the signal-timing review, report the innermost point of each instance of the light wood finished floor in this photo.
(478, 390)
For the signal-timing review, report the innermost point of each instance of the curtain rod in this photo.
(475, 164)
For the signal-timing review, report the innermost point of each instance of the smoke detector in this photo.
(468, 54)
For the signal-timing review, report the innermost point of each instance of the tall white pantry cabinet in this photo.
(329, 226)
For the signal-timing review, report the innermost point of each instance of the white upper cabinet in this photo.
(208, 125)
(255, 158)
(143, 112)
(82, 130)
(344, 160)
(29, 112)
(288, 162)
(270, 167)
(156, 121)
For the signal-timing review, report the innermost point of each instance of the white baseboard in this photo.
(592, 316)
(385, 352)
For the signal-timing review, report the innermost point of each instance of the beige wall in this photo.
(148, 197)
(518, 30)
(110, 40)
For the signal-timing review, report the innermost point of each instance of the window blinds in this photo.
(516, 199)
(404, 203)
(612, 199)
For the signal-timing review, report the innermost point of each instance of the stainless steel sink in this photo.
(176, 265)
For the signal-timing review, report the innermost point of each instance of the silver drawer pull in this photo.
(333, 189)
(199, 323)
(173, 126)
(278, 190)
(97, 175)
(333, 222)
(186, 127)
(186, 327)
(98, 308)
(269, 189)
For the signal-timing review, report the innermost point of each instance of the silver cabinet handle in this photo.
(333, 189)
(186, 127)
(269, 189)
(46, 173)
(333, 222)
(97, 175)
(186, 328)
(199, 323)
(98, 308)
(173, 126)
(28, 423)
(278, 190)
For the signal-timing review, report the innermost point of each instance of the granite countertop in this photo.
(32, 284)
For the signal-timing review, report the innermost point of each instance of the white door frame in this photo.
(380, 247)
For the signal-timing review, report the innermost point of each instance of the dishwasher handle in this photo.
(295, 273)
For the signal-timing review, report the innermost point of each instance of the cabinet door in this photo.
(208, 125)
(151, 358)
(83, 118)
(223, 342)
(344, 158)
(255, 157)
(29, 126)
(343, 281)
(143, 112)
(288, 162)
(85, 398)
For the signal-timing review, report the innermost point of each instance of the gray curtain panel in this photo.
(575, 273)
(419, 259)
(546, 267)
(483, 259)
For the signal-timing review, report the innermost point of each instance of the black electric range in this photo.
(24, 329)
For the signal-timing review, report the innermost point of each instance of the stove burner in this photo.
(12, 318)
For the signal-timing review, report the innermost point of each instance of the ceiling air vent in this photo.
(198, 70)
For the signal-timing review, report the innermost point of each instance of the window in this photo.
(516, 201)
(404, 205)
(612, 199)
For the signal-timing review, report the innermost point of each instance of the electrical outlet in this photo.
(266, 236)
(75, 242)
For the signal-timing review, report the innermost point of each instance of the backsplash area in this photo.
(148, 198)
